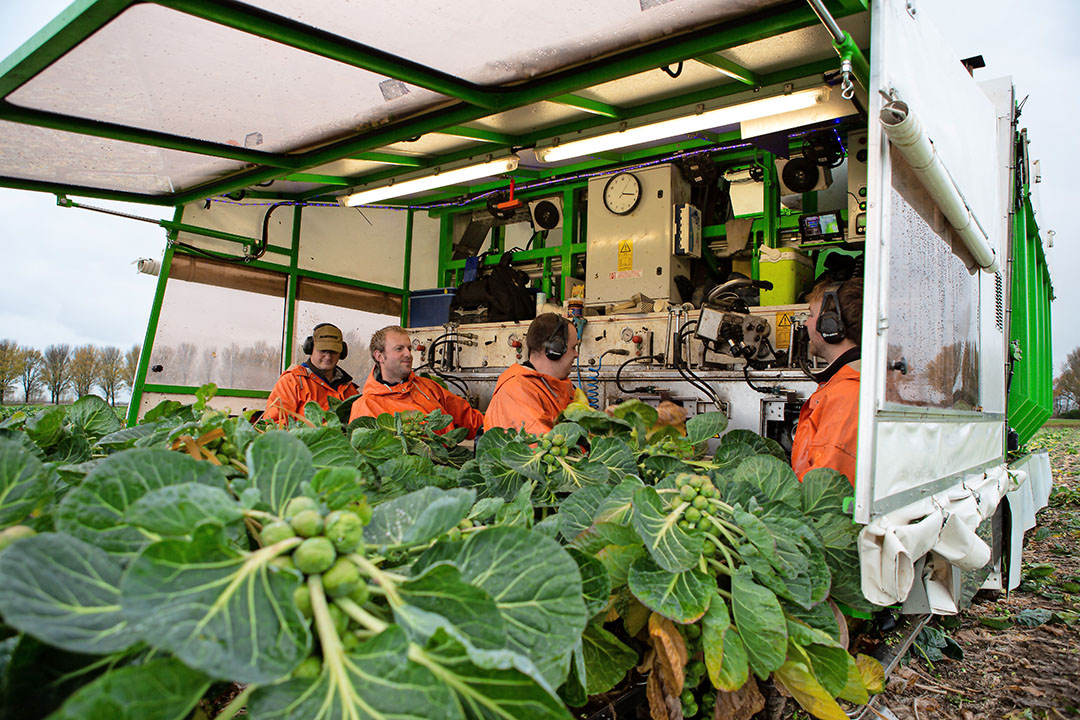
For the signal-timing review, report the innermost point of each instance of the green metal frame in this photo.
(190, 390)
(474, 101)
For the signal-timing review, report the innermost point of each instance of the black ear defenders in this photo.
(830, 319)
(555, 345)
(309, 343)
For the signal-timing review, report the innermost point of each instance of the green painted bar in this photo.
(290, 294)
(732, 69)
(589, 105)
(406, 273)
(488, 136)
(392, 159)
(221, 392)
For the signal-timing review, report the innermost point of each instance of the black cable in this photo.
(618, 373)
(673, 73)
(688, 374)
(266, 230)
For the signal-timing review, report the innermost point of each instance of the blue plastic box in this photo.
(430, 307)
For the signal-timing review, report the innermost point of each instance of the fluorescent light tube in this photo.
(684, 125)
(436, 179)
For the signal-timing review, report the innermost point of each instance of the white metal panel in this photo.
(241, 218)
(425, 252)
(491, 41)
(360, 244)
(905, 447)
(163, 70)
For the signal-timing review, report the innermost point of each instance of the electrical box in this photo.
(687, 231)
(857, 160)
(631, 221)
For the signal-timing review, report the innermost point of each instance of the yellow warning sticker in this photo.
(626, 255)
(783, 329)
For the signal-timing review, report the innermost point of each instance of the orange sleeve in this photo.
(519, 405)
(828, 432)
(464, 414)
(285, 395)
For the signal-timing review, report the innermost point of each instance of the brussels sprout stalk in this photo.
(332, 649)
(719, 566)
(238, 703)
(361, 615)
(722, 546)
(382, 578)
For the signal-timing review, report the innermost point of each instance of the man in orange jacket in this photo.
(828, 430)
(315, 380)
(531, 395)
(393, 387)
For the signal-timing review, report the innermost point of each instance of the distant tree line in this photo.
(59, 369)
(1067, 385)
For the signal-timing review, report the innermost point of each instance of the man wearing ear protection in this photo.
(828, 430)
(392, 387)
(531, 395)
(315, 380)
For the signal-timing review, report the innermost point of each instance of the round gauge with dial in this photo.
(627, 334)
(622, 193)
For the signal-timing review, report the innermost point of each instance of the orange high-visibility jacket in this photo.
(416, 393)
(828, 431)
(526, 398)
(298, 386)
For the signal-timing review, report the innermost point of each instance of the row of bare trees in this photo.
(60, 369)
(1067, 384)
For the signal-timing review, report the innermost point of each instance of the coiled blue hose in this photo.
(592, 387)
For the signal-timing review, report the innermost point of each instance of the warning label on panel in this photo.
(626, 255)
(625, 275)
(783, 329)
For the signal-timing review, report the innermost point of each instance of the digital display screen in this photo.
(820, 227)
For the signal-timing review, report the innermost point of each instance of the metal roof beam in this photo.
(591, 106)
(488, 136)
(731, 69)
(391, 159)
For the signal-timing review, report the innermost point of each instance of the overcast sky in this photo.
(69, 275)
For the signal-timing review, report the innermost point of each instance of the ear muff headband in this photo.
(555, 345)
(830, 320)
(309, 343)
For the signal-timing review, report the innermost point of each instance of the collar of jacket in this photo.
(848, 356)
(340, 376)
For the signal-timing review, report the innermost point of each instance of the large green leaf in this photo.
(376, 681)
(524, 460)
(340, 487)
(535, 584)
(595, 583)
(46, 427)
(682, 597)
(176, 510)
(376, 444)
(705, 425)
(418, 517)
(607, 659)
(495, 694)
(760, 621)
(614, 454)
(501, 479)
(328, 446)
(730, 454)
(761, 445)
(774, 476)
(578, 510)
(72, 447)
(226, 613)
(127, 437)
(725, 655)
(440, 598)
(795, 588)
(673, 548)
(24, 485)
(96, 511)
(278, 464)
(65, 592)
(799, 679)
(824, 491)
(95, 416)
(829, 661)
(162, 689)
(618, 506)
(573, 474)
(839, 538)
(617, 560)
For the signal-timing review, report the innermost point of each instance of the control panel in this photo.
(857, 164)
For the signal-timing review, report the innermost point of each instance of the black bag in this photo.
(503, 291)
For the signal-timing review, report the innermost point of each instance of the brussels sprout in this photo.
(276, 531)
(341, 620)
(15, 532)
(349, 641)
(688, 492)
(299, 504)
(700, 502)
(302, 599)
(692, 514)
(698, 668)
(283, 562)
(309, 669)
(684, 524)
(314, 555)
(708, 550)
(454, 534)
(545, 444)
(361, 594)
(687, 696)
(307, 523)
(696, 480)
(680, 480)
(341, 579)
(558, 440)
(692, 631)
(345, 530)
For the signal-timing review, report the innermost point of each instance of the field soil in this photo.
(1021, 651)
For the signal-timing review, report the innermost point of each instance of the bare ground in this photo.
(1021, 652)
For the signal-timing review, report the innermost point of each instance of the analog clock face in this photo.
(622, 193)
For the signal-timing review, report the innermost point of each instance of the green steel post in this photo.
(151, 326)
(569, 230)
(772, 201)
(290, 294)
(406, 272)
(446, 239)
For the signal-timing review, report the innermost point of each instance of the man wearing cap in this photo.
(531, 395)
(392, 387)
(315, 380)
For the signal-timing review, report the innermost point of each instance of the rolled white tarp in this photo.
(904, 130)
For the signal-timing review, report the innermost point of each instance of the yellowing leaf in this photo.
(800, 681)
(873, 674)
(725, 656)
(655, 693)
(741, 704)
(855, 690)
(670, 650)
